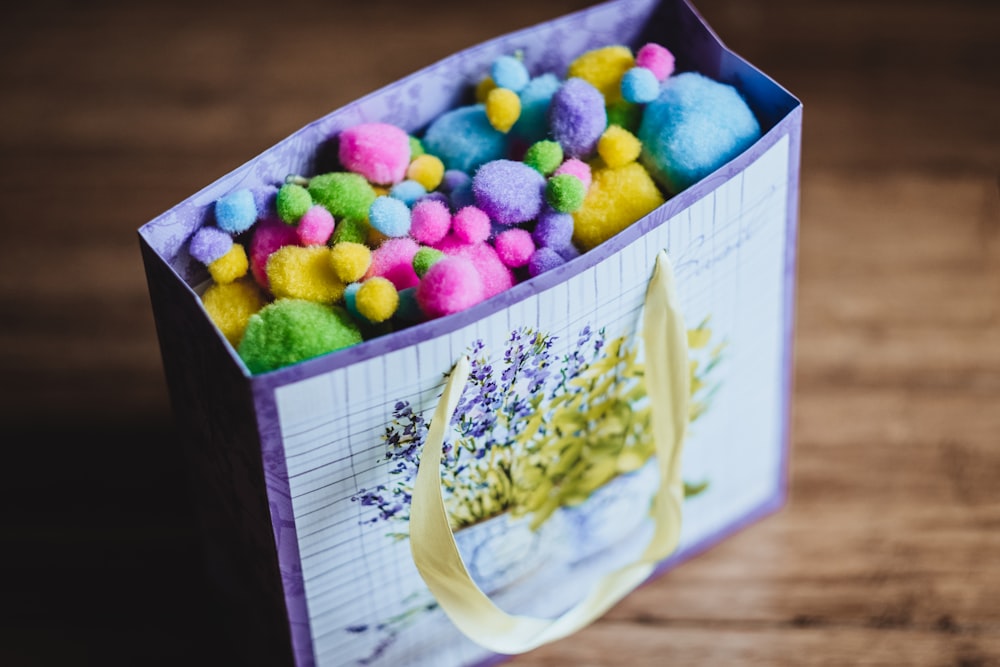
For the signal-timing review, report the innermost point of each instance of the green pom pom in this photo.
(565, 193)
(625, 114)
(354, 230)
(344, 193)
(424, 259)
(292, 202)
(288, 331)
(416, 148)
(544, 156)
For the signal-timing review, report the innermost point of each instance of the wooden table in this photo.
(888, 552)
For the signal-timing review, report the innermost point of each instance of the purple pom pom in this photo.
(577, 117)
(509, 192)
(542, 260)
(553, 229)
(209, 244)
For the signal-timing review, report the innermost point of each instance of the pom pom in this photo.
(464, 139)
(209, 244)
(352, 230)
(429, 221)
(350, 261)
(230, 306)
(234, 264)
(350, 299)
(617, 146)
(564, 193)
(483, 88)
(315, 226)
(378, 151)
(292, 202)
(509, 192)
(462, 196)
(553, 229)
(376, 299)
(617, 197)
(268, 235)
(298, 272)
(425, 259)
(694, 127)
(408, 192)
(625, 114)
(514, 247)
(503, 108)
(577, 117)
(236, 212)
(509, 72)
(577, 168)
(343, 193)
(454, 179)
(640, 86)
(394, 260)
(533, 124)
(657, 59)
(542, 260)
(544, 156)
(264, 199)
(603, 68)
(449, 286)
(427, 169)
(290, 330)
(416, 148)
(390, 216)
(409, 310)
(495, 275)
(471, 225)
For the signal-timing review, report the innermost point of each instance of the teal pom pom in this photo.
(509, 72)
(236, 212)
(464, 139)
(292, 202)
(533, 124)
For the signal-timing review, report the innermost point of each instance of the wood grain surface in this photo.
(888, 552)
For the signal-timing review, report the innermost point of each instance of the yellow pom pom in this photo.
(483, 88)
(234, 264)
(298, 272)
(377, 299)
(617, 146)
(350, 260)
(230, 306)
(426, 169)
(380, 190)
(618, 196)
(375, 238)
(503, 108)
(603, 68)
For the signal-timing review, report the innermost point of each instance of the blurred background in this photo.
(888, 551)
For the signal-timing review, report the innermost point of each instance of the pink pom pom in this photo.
(577, 168)
(269, 234)
(657, 59)
(471, 225)
(496, 276)
(315, 226)
(378, 151)
(450, 285)
(514, 247)
(393, 260)
(429, 221)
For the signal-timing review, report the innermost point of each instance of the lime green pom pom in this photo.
(625, 114)
(425, 258)
(351, 230)
(344, 193)
(416, 147)
(544, 156)
(292, 202)
(565, 193)
(288, 331)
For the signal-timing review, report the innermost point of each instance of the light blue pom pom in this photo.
(408, 191)
(390, 216)
(464, 139)
(640, 86)
(695, 126)
(509, 72)
(351, 298)
(236, 212)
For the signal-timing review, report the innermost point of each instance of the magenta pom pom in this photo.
(577, 117)
(496, 276)
(449, 286)
(471, 225)
(393, 260)
(577, 168)
(378, 151)
(269, 234)
(514, 247)
(508, 191)
(315, 226)
(430, 220)
(209, 244)
(656, 59)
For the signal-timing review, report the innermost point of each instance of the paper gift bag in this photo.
(541, 404)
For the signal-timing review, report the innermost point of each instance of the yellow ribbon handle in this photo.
(432, 543)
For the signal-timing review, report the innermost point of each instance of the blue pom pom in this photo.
(695, 126)
(351, 298)
(236, 212)
(640, 86)
(464, 139)
(509, 72)
(408, 191)
(390, 216)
